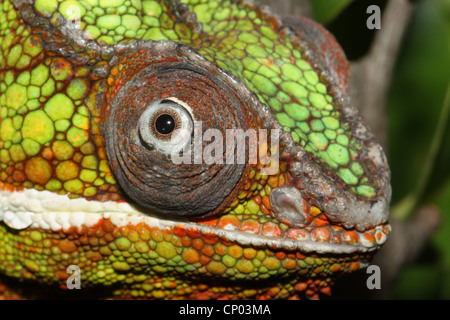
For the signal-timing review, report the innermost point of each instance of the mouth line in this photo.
(46, 210)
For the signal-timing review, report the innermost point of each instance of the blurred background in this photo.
(417, 128)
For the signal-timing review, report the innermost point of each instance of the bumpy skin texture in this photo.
(75, 78)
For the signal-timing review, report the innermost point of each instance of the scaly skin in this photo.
(80, 187)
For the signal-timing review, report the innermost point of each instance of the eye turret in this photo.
(162, 99)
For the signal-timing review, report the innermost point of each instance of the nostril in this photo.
(289, 206)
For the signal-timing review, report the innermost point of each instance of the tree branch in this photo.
(371, 76)
(404, 246)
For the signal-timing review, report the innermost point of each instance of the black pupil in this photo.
(165, 124)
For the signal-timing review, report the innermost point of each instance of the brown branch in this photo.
(404, 246)
(372, 75)
(370, 82)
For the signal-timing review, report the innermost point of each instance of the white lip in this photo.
(50, 211)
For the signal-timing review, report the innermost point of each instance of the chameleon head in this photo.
(100, 184)
(170, 82)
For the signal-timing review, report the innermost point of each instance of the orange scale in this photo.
(186, 241)
(209, 222)
(379, 236)
(19, 176)
(115, 72)
(124, 231)
(47, 153)
(326, 290)
(311, 294)
(9, 170)
(264, 209)
(250, 225)
(335, 267)
(9, 187)
(99, 233)
(321, 234)
(197, 244)
(116, 233)
(298, 234)
(179, 230)
(350, 237)
(80, 231)
(305, 206)
(273, 181)
(273, 291)
(176, 241)
(206, 295)
(94, 256)
(204, 259)
(301, 286)
(61, 275)
(220, 249)
(354, 266)
(314, 211)
(193, 233)
(321, 223)
(289, 264)
(369, 237)
(270, 229)
(90, 232)
(67, 246)
(337, 228)
(280, 255)
(226, 242)
(229, 222)
(208, 251)
(336, 239)
(211, 239)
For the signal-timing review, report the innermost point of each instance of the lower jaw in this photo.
(49, 211)
(129, 253)
(146, 262)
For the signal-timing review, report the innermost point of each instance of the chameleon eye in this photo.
(166, 126)
(155, 118)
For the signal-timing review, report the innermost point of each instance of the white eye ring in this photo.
(178, 135)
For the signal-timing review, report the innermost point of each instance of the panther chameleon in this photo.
(96, 95)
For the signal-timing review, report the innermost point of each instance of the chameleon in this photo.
(97, 99)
